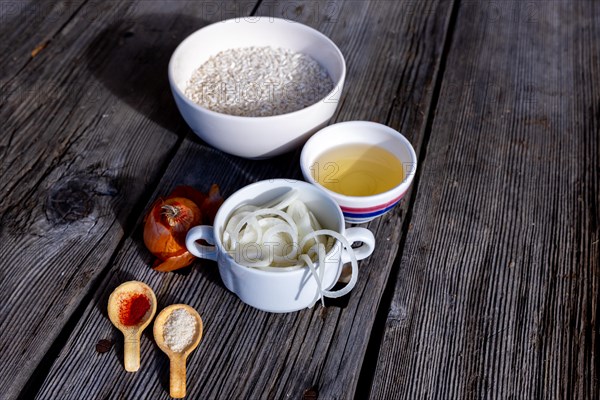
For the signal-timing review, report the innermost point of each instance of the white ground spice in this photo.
(259, 82)
(179, 330)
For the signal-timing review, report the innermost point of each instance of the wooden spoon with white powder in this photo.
(177, 331)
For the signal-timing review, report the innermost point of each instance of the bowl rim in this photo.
(360, 201)
(337, 87)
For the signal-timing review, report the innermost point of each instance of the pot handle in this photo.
(359, 235)
(365, 250)
(199, 250)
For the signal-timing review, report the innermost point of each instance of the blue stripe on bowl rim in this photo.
(372, 214)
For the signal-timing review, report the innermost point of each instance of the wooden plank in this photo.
(27, 28)
(89, 136)
(246, 353)
(498, 291)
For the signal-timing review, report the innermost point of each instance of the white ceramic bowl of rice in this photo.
(291, 107)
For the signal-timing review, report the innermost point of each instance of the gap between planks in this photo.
(367, 372)
(35, 381)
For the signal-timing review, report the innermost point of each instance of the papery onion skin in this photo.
(174, 263)
(168, 221)
(191, 193)
(167, 224)
(211, 204)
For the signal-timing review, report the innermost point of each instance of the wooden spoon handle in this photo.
(132, 353)
(178, 377)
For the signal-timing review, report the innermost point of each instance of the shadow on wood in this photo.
(131, 57)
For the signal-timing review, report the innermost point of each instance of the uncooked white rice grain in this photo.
(258, 82)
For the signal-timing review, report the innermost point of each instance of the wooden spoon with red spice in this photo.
(131, 307)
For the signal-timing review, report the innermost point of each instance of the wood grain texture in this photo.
(247, 353)
(499, 283)
(87, 137)
(27, 28)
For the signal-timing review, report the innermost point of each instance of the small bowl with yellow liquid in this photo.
(364, 166)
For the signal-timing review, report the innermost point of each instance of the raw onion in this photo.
(284, 235)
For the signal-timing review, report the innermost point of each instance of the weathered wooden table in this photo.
(485, 283)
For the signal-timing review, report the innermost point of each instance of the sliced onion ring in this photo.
(353, 261)
(268, 226)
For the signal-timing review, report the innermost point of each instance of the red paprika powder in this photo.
(133, 308)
